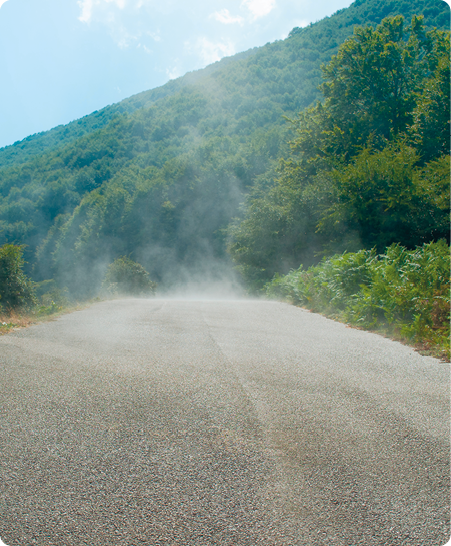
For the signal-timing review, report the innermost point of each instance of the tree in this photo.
(385, 198)
(278, 230)
(372, 85)
(16, 290)
(430, 131)
(124, 276)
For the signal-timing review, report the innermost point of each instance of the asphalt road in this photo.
(164, 422)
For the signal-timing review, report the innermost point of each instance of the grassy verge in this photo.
(10, 321)
(17, 319)
(402, 293)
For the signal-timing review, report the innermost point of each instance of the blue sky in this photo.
(63, 59)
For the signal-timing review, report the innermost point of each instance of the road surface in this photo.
(164, 422)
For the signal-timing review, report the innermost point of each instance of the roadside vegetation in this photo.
(24, 302)
(402, 293)
(365, 192)
(126, 277)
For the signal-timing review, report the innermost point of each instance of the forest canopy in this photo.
(367, 167)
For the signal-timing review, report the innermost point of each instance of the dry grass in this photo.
(16, 320)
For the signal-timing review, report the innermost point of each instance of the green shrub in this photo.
(51, 297)
(125, 276)
(404, 291)
(16, 290)
(327, 286)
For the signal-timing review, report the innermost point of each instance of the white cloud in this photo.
(123, 42)
(106, 12)
(223, 16)
(259, 8)
(211, 52)
(155, 36)
(149, 52)
(173, 73)
(122, 36)
(139, 4)
(87, 7)
(2, 2)
(119, 3)
(86, 10)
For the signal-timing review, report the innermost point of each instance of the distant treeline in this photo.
(173, 177)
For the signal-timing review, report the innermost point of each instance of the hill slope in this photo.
(62, 135)
(159, 175)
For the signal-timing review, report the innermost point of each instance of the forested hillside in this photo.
(369, 166)
(159, 177)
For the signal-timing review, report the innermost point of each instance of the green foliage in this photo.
(372, 83)
(16, 290)
(278, 230)
(384, 197)
(369, 166)
(431, 117)
(405, 291)
(51, 297)
(161, 175)
(124, 276)
(383, 83)
(326, 287)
